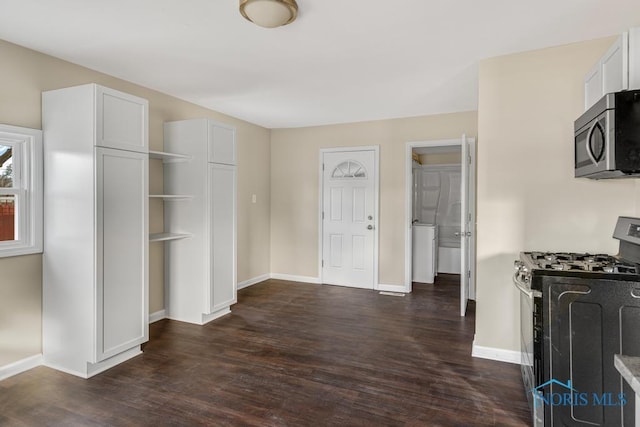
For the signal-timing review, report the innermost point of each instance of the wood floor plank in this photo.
(292, 354)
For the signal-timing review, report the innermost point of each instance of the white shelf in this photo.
(164, 237)
(169, 197)
(168, 157)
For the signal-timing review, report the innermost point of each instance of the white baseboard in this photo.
(391, 288)
(206, 318)
(158, 315)
(293, 278)
(499, 354)
(20, 366)
(251, 282)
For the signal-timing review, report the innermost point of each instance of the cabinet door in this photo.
(615, 66)
(121, 120)
(122, 251)
(222, 144)
(592, 86)
(222, 211)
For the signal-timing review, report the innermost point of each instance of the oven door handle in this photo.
(523, 288)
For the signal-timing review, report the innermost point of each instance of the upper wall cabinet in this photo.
(222, 147)
(618, 69)
(121, 120)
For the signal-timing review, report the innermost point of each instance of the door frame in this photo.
(408, 247)
(376, 203)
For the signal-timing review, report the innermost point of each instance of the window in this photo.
(349, 169)
(20, 191)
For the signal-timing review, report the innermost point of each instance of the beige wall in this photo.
(294, 186)
(20, 307)
(528, 198)
(24, 74)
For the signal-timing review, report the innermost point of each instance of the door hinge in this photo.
(323, 166)
(469, 274)
(322, 262)
(469, 217)
(469, 158)
(323, 215)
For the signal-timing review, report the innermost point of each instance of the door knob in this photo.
(369, 227)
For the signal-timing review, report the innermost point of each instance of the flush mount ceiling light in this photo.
(269, 13)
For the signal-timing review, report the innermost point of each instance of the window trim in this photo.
(27, 154)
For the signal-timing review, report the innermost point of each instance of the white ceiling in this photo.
(340, 61)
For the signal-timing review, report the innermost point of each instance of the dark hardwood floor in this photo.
(292, 354)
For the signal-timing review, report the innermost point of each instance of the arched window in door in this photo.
(349, 169)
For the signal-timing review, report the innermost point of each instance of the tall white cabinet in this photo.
(95, 262)
(201, 270)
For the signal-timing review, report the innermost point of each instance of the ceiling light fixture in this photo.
(269, 13)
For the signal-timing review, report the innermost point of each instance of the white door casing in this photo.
(465, 219)
(349, 212)
(468, 215)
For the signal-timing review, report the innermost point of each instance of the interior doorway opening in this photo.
(440, 213)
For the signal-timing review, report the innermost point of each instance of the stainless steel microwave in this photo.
(607, 137)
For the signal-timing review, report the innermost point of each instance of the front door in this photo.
(349, 218)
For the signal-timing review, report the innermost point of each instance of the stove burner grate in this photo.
(566, 261)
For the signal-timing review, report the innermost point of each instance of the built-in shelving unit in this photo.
(169, 158)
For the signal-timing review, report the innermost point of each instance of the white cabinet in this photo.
(222, 220)
(614, 66)
(222, 145)
(121, 120)
(201, 270)
(95, 261)
(618, 69)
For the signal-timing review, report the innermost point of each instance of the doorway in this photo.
(349, 189)
(460, 252)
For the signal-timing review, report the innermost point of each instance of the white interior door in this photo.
(465, 226)
(349, 218)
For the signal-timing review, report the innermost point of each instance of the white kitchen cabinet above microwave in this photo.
(618, 69)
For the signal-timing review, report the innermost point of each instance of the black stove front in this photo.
(577, 311)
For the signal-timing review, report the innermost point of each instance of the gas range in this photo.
(577, 311)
